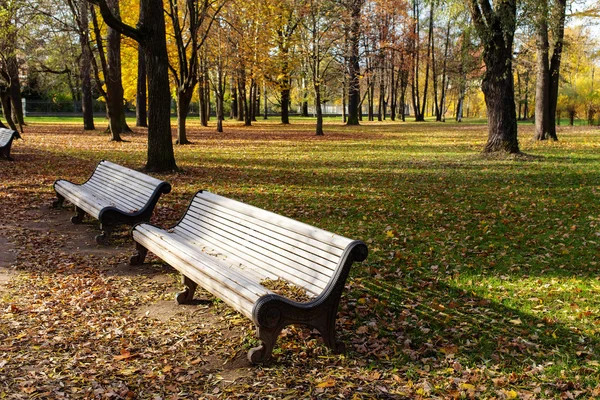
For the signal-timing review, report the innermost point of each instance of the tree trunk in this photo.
(184, 98)
(557, 42)
(12, 67)
(87, 103)
(285, 104)
(152, 36)
(497, 35)
(114, 84)
(203, 107)
(542, 84)
(6, 106)
(498, 89)
(160, 142)
(234, 99)
(319, 111)
(219, 97)
(353, 63)
(141, 115)
(305, 99)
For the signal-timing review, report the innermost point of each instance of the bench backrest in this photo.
(128, 189)
(273, 245)
(6, 135)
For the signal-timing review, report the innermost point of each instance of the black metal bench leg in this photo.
(187, 295)
(268, 338)
(59, 201)
(326, 327)
(106, 231)
(139, 256)
(78, 218)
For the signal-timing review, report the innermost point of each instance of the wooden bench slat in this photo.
(80, 197)
(311, 249)
(262, 255)
(328, 247)
(116, 196)
(278, 220)
(142, 188)
(266, 243)
(138, 176)
(263, 261)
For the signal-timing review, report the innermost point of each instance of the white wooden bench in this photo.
(6, 138)
(229, 248)
(115, 195)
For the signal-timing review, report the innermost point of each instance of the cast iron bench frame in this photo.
(115, 195)
(229, 247)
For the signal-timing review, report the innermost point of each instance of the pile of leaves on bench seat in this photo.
(286, 289)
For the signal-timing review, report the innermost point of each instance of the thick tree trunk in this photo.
(161, 157)
(12, 67)
(496, 27)
(498, 89)
(6, 106)
(151, 35)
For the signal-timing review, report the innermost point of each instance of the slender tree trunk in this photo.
(184, 98)
(542, 85)
(305, 98)
(234, 99)
(114, 85)
(353, 63)
(557, 42)
(427, 64)
(219, 98)
(285, 104)
(442, 112)
(202, 90)
(319, 111)
(344, 100)
(141, 115)
(87, 103)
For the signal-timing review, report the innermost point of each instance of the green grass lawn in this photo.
(482, 279)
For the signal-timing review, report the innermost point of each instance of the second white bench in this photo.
(115, 195)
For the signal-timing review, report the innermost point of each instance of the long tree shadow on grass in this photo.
(435, 317)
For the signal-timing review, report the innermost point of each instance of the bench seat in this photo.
(230, 249)
(6, 138)
(114, 195)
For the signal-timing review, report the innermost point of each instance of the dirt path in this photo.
(79, 239)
